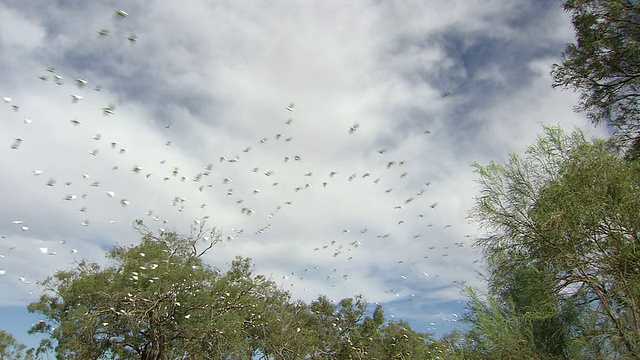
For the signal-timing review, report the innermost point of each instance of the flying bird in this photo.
(16, 143)
(108, 110)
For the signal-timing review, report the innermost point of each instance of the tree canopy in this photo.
(11, 349)
(159, 300)
(604, 63)
(561, 247)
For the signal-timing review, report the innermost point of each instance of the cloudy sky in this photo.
(222, 106)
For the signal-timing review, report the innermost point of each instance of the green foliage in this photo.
(526, 320)
(604, 64)
(159, 300)
(508, 194)
(11, 349)
(590, 214)
(562, 252)
(344, 331)
(280, 329)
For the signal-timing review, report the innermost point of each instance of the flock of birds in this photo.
(232, 179)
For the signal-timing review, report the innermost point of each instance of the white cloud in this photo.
(19, 32)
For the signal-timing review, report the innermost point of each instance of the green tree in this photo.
(159, 301)
(12, 349)
(604, 64)
(508, 195)
(590, 229)
(280, 329)
(562, 246)
(345, 331)
(526, 319)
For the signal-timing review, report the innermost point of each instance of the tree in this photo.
(604, 65)
(526, 319)
(589, 226)
(345, 331)
(159, 301)
(280, 329)
(563, 230)
(508, 195)
(11, 349)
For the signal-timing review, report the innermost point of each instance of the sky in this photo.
(332, 142)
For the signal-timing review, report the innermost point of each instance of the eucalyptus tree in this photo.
(12, 349)
(159, 300)
(280, 330)
(346, 330)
